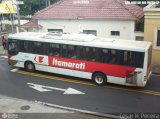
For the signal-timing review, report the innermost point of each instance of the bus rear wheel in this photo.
(29, 66)
(99, 79)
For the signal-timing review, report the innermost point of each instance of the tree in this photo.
(32, 6)
(143, 3)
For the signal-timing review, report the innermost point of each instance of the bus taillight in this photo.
(129, 74)
(131, 77)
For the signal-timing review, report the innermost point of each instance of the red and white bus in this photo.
(118, 61)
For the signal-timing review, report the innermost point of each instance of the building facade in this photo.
(104, 18)
(104, 28)
(152, 30)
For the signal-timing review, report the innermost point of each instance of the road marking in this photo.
(39, 88)
(54, 78)
(14, 70)
(150, 92)
(43, 88)
(4, 57)
(156, 75)
(156, 93)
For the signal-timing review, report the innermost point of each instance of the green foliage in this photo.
(30, 7)
(144, 2)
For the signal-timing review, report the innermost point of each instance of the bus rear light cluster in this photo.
(130, 74)
(131, 77)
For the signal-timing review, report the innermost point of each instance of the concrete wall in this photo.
(103, 27)
(152, 23)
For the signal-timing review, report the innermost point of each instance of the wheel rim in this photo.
(99, 79)
(30, 66)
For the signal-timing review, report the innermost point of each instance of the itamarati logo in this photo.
(71, 65)
(142, 2)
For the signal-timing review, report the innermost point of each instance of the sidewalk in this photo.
(156, 69)
(14, 105)
(20, 109)
(2, 51)
(13, 108)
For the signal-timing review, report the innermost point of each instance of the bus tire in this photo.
(99, 79)
(29, 66)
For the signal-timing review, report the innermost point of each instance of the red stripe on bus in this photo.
(90, 66)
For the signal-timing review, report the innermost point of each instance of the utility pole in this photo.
(17, 2)
(48, 3)
(1, 17)
(18, 15)
(1, 23)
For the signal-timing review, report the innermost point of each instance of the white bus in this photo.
(102, 60)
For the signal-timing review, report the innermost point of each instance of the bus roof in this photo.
(82, 39)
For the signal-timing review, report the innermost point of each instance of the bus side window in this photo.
(120, 57)
(92, 54)
(72, 52)
(23, 47)
(113, 57)
(105, 55)
(87, 53)
(132, 59)
(37, 48)
(54, 49)
(64, 50)
(127, 58)
(82, 54)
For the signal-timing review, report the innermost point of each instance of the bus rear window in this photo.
(131, 58)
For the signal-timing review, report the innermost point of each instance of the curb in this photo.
(3, 53)
(80, 110)
(11, 105)
(155, 73)
(156, 69)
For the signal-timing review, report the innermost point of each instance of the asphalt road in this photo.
(110, 99)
